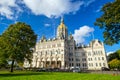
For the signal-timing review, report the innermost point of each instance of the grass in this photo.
(22, 75)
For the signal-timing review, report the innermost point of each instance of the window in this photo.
(69, 59)
(76, 64)
(101, 52)
(72, 64)
(99, 64)
(102, 58)
(89, 64)
(70, 54)
(84, 64)
(46, 52)
(98, 58)
(88, 59)
(83, 54)
(71, 48)
(83, 59)
(91, 59)
(77, 59)
(77, 54)
(96, 64)
(72, 59)
(103, 64)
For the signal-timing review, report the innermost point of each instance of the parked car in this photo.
(41, 70)
(105, 69)
(76, 70)
(49, 70)
(18, 68)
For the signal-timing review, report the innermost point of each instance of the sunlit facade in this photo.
(62, 52)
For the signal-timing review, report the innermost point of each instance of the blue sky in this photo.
(44, 17)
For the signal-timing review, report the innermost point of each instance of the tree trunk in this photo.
(11, 70)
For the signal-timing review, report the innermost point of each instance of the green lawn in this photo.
(4, 75)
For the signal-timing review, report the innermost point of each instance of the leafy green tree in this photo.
(114, 64)
(3, 63)
(110, 22)
(3, 60)
(118, 52)
(114, 60)
(18, 43)
(115, 55)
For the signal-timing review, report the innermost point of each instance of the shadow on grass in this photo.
(24, 74)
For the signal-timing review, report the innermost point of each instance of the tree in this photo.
(118, 52)
(17, 43)
(114, 64)
(3, 63)
(115, 55)
(112, 56)
(114, 60)
(3, 60)
(110, 22)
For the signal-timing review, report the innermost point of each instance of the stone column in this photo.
(39, 63)
(42, 63)
(56, 64)
(45, 64)
(50, 64)
(62, 64)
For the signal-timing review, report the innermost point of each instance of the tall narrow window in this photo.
(96, 64)
(104, 64)
(102, 58)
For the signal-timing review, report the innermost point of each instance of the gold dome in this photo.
(62, 25)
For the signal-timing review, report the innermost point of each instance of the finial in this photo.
(70, 33)
(43, 37)
(62, 19)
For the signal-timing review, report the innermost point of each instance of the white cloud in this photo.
(98, 10)
(80, 34)
(9, 8)
(88, 2)
(52, 8)
(47, 25)
(110, 52)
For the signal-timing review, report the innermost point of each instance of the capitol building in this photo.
(62, 52)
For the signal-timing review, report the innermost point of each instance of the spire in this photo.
(62, 25)
(43, 38)
(62, 30)
(70, 36)
(62, 19)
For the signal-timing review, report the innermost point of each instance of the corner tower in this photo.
(62, 32)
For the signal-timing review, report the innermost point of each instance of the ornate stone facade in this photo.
(62, 52)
